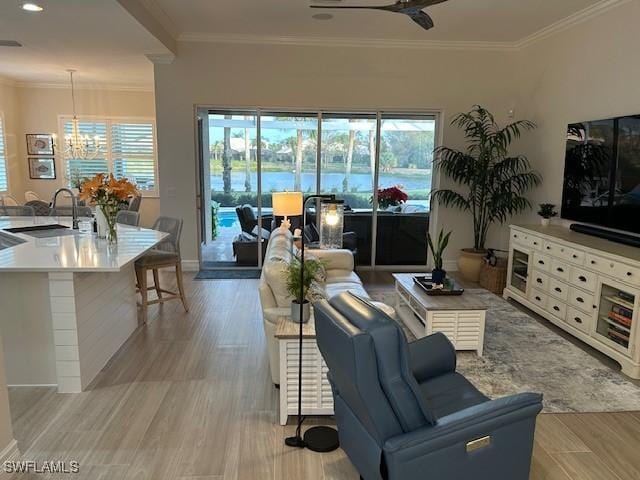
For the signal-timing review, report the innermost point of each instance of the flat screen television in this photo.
(602, 173)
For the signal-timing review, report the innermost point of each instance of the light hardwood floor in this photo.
(189, 397)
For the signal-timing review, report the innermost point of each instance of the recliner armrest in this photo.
(466, 425)
(432, 356)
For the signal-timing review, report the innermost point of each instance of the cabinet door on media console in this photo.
(519, 269)
(617, 318)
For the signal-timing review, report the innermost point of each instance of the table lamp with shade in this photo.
(288, 204)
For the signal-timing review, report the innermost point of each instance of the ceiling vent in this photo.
(9, 43)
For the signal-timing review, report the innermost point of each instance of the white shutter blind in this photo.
(88, 168)
(4, 183)
(133, 153)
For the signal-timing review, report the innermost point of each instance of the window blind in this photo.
(4, 182)
(133, 151)
(127, 150)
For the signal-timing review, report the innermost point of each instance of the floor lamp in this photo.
(317, 439)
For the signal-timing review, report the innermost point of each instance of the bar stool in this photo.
(127, 217)
(166, 254)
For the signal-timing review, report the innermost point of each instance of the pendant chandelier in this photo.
(78, 146)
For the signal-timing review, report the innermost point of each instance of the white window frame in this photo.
(5, 156)
(109, 120)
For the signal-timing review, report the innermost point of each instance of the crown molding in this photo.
(572, 20)
(161, 58)
(102, 88)
(343, 42)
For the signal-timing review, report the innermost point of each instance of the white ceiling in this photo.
(107, 43)
(98, 38)
(455, 20)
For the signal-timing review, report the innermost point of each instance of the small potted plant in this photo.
(298, 286)
(437, 250)
(547, 211)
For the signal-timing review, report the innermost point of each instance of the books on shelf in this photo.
(618, 336)
(618, 300)
(627, 297)
(625, 312)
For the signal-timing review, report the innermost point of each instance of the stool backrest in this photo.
(172, 226)
(30, 196)
(39, 207)
(66, 211)
(134, 204)
(8, 200)
(128, 217)
(16, 211)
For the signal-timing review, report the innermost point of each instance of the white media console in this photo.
(585, 285)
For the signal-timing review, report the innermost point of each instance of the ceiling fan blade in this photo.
(347, 7)
(422, 19)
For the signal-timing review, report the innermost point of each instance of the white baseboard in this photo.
(10, 452)
(190, 265)
(22, 385)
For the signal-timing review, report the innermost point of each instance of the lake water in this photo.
(358, 182)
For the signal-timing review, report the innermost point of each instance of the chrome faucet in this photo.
(74, 205)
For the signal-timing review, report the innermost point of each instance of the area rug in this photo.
(227, 274)
(522, 355)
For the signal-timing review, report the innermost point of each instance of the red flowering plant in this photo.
(391, 196)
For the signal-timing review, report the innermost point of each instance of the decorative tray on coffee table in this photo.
(450, 287)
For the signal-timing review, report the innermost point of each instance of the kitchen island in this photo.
(67, 299)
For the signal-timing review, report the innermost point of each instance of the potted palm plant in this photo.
(298, 286)
(438, 274)
(494, 181)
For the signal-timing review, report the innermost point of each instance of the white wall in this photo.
(586, 73)
(36, 110)
(318, 78)
(40, 108)
(11, 113)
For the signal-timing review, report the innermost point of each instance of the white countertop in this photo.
(72, 253)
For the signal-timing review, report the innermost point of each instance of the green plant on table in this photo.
(296, 283)
(547, 210)
(438, 248)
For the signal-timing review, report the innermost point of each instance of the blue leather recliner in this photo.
(402, 410)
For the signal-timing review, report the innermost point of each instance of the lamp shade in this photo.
(287, 204)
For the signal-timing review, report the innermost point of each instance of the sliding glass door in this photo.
(347, 170)
(233, 170)
(406, 158)
(254, 153)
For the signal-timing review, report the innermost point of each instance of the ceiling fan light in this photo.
(32, 7)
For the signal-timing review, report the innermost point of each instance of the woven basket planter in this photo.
(494, 279)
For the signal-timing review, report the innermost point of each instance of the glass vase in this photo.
(108, 221)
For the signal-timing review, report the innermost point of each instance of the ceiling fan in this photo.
(411, 8)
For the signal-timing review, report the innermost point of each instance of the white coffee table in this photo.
(460, 317)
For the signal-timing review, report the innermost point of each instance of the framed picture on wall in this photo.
(42, 168)
(39, 144)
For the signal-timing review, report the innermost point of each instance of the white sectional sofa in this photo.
(275, 299)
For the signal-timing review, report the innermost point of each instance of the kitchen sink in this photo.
(43, 231)
(8, 241)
